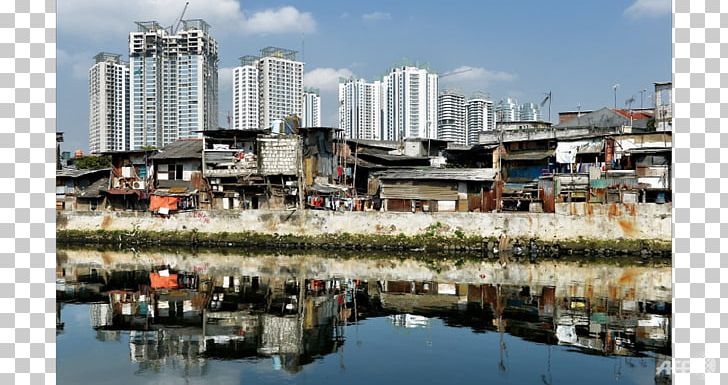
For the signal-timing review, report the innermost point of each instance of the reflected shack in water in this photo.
(295, 309)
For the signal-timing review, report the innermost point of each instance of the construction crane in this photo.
(175, 27)
(446, 74)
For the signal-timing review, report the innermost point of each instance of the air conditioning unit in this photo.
(138, 185)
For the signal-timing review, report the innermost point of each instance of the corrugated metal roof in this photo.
(424, 190)
(94, 189)
(75, 173)
(390, 157)
(604, 117)
(529, 155)
(648, 150)
(457, 174)
(181, 149)
(591, 148)
(170, 193)
(389, 144)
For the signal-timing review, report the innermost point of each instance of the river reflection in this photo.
(205, 317)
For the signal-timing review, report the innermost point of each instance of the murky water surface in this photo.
(203, 317)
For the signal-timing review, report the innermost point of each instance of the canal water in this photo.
(224, 317)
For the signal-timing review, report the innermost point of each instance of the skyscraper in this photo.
(108, 118)
(451, 124)
(529, 112)
(281, 85)
(480, 117)
(410, 103)
(246, 97)
(279, 81)
(311, 109)
(508, 111)
(360, 109)
(173, 88)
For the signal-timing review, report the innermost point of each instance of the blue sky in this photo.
(576, 49)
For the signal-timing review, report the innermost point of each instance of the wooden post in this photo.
(301, 179)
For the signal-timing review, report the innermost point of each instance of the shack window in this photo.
(174, 172)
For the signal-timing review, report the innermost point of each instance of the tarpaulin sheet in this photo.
(156, 202)
(158, 281)
(566, 151)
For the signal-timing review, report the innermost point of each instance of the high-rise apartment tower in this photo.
(108, 118)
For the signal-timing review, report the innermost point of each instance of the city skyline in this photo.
(579, 58)
(173, 85)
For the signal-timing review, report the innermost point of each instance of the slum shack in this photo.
(280, 164)
(232, 293)
(318, 153)
(324, 196)
(230, 164)
(231, 334)
(130, 180)
(476, 156)
(80, 190)
(435, 189)
(178, 178)
(521, 170)
(363, 157)
(131, 308)
(176, 297)
(652, 169)
(322, 170)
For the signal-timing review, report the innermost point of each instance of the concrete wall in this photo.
(571, 221)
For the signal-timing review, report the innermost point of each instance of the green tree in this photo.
(651, 125)
(92, 162)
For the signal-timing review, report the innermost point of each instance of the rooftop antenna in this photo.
(303, 46)
(642, 98)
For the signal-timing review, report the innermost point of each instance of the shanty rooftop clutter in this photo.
(597, 157)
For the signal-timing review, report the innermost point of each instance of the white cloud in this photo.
(104, 20)
(376, 16)
(326, 79)
(648, 8)
(78, 63)
(281, 20)
(475, 76)
(225, 76)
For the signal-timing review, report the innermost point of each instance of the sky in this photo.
(575, 49)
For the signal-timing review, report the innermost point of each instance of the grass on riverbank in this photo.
(430, 242)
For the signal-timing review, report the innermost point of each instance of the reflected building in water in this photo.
(183, 318)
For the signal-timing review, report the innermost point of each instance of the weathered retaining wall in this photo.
(571, 221)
